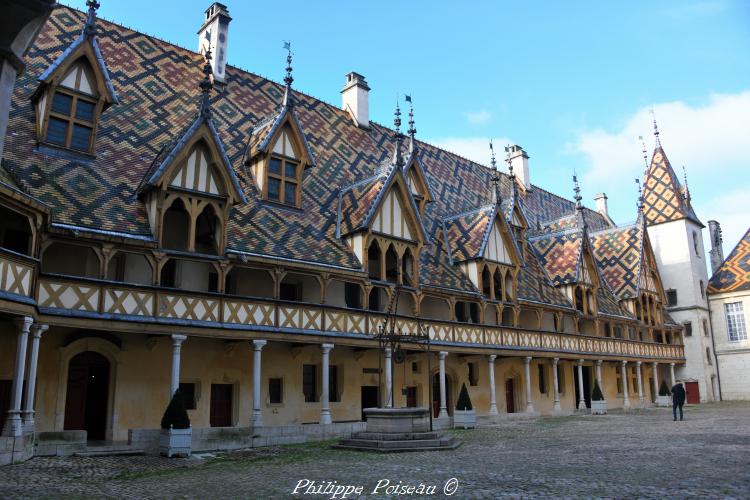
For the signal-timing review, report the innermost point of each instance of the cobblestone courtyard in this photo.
(639, 454)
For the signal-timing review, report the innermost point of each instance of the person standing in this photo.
(678, 399)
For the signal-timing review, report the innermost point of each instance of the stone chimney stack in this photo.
(717, 250)
(214, 33)
(601, 204)
(355, 99)
(520, 161)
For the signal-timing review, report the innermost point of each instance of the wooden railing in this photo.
(118, 301)
(16, 273)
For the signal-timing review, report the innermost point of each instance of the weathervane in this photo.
(89, 29)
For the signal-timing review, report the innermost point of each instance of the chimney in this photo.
(717, 250)
(601, 204)
(520, 161)
(214, 33)
(355, 99)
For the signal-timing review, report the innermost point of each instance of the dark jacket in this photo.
(678, 394)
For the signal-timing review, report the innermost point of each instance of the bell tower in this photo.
(676, 235)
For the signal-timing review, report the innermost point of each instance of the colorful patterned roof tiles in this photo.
(734, 273)
(618, 254)
(663, 196)
(466, 233)
(560, 254)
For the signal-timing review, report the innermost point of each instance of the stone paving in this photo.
(638, 454)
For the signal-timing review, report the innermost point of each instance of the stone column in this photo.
(655, 367)
(443, 413)
(257, 418)
(28, 408)
(527, 383)
(555, 383)
(14, 425)
(388, 355)
(624, 377)
(640, 382)
(671, 373)
(491, 367)
(581, 396)
(177, 341)
(325, 410)
(599, 363)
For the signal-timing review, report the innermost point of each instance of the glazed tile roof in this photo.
(618, 253)
(560, 254)
(467, 233)
(734, 273)
(157, 87)
(664, 199)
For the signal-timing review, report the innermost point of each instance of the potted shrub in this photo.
(464, 416)
(176, 438)
(598, 403)
(663, 398)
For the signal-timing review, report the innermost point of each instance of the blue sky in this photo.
(572, 82)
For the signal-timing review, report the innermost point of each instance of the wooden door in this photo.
(693, 395)
(411, 397)
(510, 396)
(87, 395)
(221, 405)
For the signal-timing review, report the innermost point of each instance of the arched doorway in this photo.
(436, 394)
(87, 394)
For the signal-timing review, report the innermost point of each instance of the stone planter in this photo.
(599, 407)
(663, 401)
(464, 419)
(176, 442)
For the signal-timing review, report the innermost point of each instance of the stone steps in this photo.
(445, 443)
(118, 449)
(396, 436)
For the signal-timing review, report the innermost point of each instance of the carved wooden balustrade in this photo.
(101, 299)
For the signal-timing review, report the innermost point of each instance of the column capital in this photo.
(655, 363)
(581, 361)
(527, 360)
(442, 355)
(555, 361)
(37, 329)
(492, 357)
(258, 344)
(326, 348)
(624, 363)
(672, 364)
(24, 323)
(599, 362)
(177, 340)
(638, 363)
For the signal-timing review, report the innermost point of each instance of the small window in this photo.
(473, 375)
(542, 378)
(71, 121)
(705, 328)
(688, 329)
(188, 395)
(416, 367)
(672, 297)
(284, 172)
(275, 391)
(703, 289)
(695, 244)
(309, 383)
(735, 319)
(333, 384)
(708, 356)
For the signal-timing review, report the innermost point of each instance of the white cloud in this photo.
(710, 140)
(478, 117)
(473, 148)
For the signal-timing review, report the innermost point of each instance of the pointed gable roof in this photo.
(664, 198)
(468, 234)
(734, 273)
(619, 254)
(262, 134)
(560, 254)
(415, 162)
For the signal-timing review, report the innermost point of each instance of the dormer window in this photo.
(73, 110)
(284, 173)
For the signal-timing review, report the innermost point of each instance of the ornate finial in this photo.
(510, 164)
(288, 79)
(207, 84)
(89, 29)
(577, 190)
(687, 189)
(495, 176)
(656, 130)
(397, 135)
(643, 150)
(639, 203)
(412, 131)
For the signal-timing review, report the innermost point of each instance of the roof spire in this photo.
(288, 79)
(495, 176)
(577, 190)
(639, 203)
(656, 130)
(412, 131)
(397, 135)
(207, 84)
(510, 164)
(643, 150)
(687, 189)
(89, 29)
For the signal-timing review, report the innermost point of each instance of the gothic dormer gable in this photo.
(416, 180)
(72, 93)
(278, 154)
